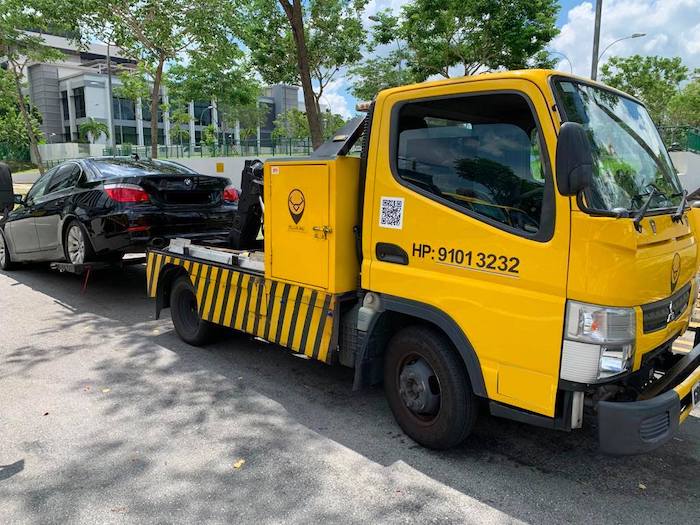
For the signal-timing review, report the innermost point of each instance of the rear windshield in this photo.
(137, 168)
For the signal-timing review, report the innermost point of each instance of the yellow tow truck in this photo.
(517, 242)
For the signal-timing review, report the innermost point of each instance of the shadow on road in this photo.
(263, 393)
(7, 471)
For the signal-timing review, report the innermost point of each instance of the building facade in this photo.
(69, 92)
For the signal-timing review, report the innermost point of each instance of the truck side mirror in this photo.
(574, 161)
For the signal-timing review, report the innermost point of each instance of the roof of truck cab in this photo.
(539, 77)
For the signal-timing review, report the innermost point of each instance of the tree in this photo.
(323, 36)
(654, 80)
(476, 34)
(157, 31)
(684, 107)
(293, 124)
(434, 37)
(250, 117)
(19, 48)
(94, 129)
(14, 139)
(179, 121)
(375, 74)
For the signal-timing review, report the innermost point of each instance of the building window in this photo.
(66, 134)
(124, 109)
(200, 110)
(126, 135)
(146, 110)
(475, 154)
(79, 101)
(64, 104)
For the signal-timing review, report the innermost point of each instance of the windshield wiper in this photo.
(653, 192)
(681, 207)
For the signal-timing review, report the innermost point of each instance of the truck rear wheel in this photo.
(428, 388)
(185, 315)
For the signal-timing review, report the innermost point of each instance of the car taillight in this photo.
(230, 194)
(126, 193)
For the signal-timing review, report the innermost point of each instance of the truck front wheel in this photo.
(428, 388)
(185, 315)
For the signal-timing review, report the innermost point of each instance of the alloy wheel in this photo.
(3, 255)
(76, 245)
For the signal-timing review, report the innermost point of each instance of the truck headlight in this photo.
(598, 342)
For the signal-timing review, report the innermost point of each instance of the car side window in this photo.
(479, 153)
(40, 186)
(66, 177)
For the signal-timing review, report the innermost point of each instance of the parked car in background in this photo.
(102, 208)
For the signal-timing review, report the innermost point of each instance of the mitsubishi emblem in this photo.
(671, 315)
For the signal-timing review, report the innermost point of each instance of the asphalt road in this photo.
(106, 417)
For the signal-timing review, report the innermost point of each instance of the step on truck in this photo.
(516, 242)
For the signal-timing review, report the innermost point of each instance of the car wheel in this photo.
(6, 263)
(428, 388)
(185, 315)
(76, 245)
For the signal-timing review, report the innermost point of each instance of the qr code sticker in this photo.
(391, 213)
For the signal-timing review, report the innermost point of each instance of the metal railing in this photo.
(267, 148)
(681, 138)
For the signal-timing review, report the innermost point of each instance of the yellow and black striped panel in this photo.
(290, 315)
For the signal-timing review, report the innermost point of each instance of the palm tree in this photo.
(93, 129)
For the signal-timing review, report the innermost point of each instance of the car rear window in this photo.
(137, 168)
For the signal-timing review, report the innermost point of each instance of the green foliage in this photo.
(303, 43)
(134, 84)
(250, 117)
(93, 129)
(684, 107)
(209, 138)
(159, 31)
(293, 124)
(18, 48)
(179, 125)
(652, 79)
(432, 37)
(476, 34)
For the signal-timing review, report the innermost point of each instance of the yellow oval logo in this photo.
(675, 271)
(296, 203)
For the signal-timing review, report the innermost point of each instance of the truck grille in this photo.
(658, 314)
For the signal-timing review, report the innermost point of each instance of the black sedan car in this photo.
(102, 208)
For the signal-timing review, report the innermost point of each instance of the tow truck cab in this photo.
(519, 237)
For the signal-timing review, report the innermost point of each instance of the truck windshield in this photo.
(630, 158)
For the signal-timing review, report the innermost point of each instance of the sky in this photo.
(672, 28)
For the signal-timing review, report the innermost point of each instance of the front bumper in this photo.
(643, 425)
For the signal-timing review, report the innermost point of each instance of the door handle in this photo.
(391, 253)
(323, 231)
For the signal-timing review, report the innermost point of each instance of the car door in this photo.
(49, 208)
(21, 225)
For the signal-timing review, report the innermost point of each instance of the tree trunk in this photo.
(294, 15)
(33, 142)
(155, 99)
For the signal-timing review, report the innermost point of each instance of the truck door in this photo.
(298, 215)
(463, 185)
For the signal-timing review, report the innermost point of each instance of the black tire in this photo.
(6, 264)
(74, 226)
(185, 315)
(440, 424)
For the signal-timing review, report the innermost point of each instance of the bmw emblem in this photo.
(188, 182)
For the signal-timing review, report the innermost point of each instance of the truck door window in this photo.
(479, 153)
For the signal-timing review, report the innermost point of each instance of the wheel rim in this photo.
(76, 245)
(419, 388)
(189, 315)
(2, 252)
